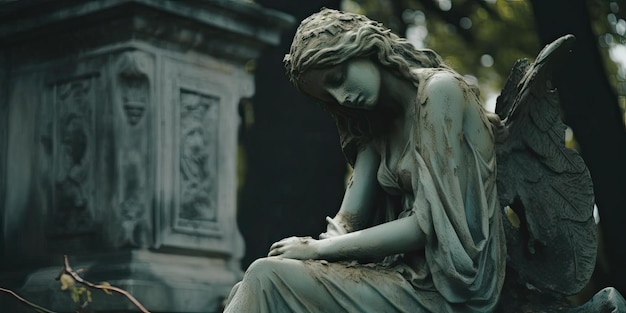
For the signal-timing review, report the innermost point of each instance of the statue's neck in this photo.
(396, 93)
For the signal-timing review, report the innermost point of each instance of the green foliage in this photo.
(79, 294)
(497, 31)
(463, 32)
(609, 24)
(506, 34)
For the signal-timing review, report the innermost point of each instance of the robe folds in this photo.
(446, 175)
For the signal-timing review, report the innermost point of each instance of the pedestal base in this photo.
(161, 282)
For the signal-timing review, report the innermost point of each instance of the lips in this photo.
(357, 103)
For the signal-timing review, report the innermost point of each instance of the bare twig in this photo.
(36, 307)
(68, 270)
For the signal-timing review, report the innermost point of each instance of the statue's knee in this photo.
(231, 295)
(262, 267)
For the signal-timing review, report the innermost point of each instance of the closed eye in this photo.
(335, 78)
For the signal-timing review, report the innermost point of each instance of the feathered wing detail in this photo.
(546, 184)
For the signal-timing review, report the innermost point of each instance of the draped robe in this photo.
(446, 175)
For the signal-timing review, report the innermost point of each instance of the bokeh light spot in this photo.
(608, 39)
(486, 60)
(611, 18)
(620, 27)
(465, 23)
(445, 5)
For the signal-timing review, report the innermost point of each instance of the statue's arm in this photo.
(360, 197)
(446, 116)
(389, 238)
(398, 236)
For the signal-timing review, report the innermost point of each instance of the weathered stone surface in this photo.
(120, 146)
(607, 300)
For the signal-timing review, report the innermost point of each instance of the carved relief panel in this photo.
(197, 174)
(95, 138)
(197, 150)
(72, 145)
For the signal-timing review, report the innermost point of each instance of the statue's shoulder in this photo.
(427, 74)
(440, 81)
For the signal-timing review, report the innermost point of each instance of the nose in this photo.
(341, 96)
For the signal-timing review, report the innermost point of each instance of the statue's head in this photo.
(331, 37)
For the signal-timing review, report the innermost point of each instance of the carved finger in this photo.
(283, 242)
(275, 252)
(277, 245)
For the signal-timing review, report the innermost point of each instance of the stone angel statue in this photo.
(440, 187)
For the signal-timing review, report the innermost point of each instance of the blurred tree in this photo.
(480, 39)
(591, 109)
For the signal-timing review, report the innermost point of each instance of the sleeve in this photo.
(464, 248)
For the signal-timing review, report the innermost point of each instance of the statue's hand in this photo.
(299, 248)
(333, 229)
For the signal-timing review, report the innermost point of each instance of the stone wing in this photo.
(544, 186)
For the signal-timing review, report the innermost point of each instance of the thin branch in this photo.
(36, 307)
(123, 292)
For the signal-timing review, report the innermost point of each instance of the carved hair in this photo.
(331, 37)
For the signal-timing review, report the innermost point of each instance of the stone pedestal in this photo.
(118, 142)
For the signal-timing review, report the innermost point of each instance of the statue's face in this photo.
(354, 84)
